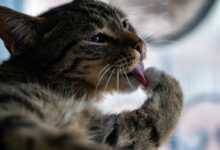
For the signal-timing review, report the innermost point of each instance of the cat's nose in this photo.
(139, 46)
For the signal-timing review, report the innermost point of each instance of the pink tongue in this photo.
(139, 70)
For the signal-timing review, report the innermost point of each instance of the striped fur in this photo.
(62, 60)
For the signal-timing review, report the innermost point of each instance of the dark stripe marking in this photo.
(97, 13)
(59, 139)
(74, 65)
(14, 122)
(93, 16)
(7, 98)
(92, 59)
(154, 135)
(63, 53)
(129, 147)
(104, 10)
(11, 123)
(30, 143)
(113, 136)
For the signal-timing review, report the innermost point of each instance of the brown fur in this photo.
(66, 58)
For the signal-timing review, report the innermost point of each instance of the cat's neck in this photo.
(13, 73)
(78, 88)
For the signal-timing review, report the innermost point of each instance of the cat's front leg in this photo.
(152, 124)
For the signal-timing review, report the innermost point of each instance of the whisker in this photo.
(150, 38)
(107, 69)
(122, 74)
(103, 69)
(117, 80)
(109, 79)
(159, 31)
(129, 82)
(159, 41)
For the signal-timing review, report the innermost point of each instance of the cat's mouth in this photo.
(138, 74)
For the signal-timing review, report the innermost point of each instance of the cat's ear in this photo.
(17, 30)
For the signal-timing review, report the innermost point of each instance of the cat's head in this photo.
(86, 41)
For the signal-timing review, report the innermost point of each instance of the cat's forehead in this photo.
(87, 8)
(86, 15)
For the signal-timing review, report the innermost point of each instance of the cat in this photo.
(64, 60)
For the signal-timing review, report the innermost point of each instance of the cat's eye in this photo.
(99, 38)
(125, 24)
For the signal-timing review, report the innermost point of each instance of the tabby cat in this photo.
(64, 60)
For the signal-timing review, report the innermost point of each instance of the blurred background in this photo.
(183, 38)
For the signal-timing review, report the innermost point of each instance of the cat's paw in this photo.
(160, 82)
(153, 77)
